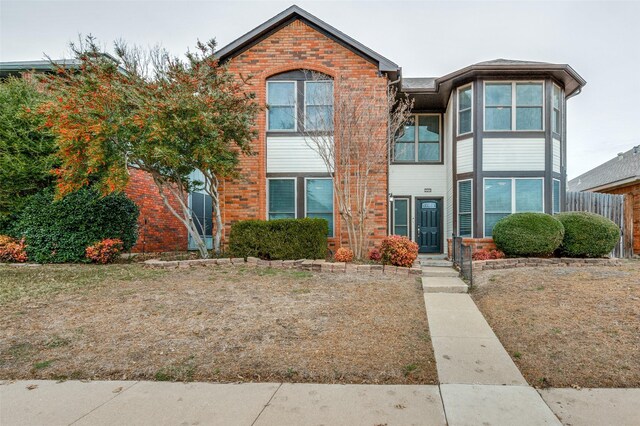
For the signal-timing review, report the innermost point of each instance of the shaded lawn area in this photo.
(567, 326)
(211, 324)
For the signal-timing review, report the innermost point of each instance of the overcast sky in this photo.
(600, 40)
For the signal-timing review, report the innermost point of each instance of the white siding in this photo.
(513, 154)
(291, 154)
(556, 155)
(464, 161)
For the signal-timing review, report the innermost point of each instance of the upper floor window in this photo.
(298, 101)
(420, 140)
(555, 116)
(513, 106)
(465, 108)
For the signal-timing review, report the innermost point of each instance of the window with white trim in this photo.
(319, 200)
(504, 196)
(420, 140)
(556, 196)
(282, 198)
(465, 203)
(513, 106)
(465, 109)
(556, 117)
(281, 101)
(318, 105)
(401, 216)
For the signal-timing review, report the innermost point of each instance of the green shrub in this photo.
(528, 234)
(587, 234)
(60, 231)
(281, 239)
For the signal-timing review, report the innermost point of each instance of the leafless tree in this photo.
(353, 134)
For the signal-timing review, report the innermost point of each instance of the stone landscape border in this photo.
(300, 264)
(521, 262)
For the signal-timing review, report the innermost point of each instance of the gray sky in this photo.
(427, 38)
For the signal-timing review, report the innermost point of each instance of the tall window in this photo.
(465, 108)
(401, 216)
(419, 142)
(555, 117)
(281, 98)
(464, 208)
(282, 198)
(319, 200)
(201, 209)
(505, 196)
(513, 106)
(556, 196)
(318, 105)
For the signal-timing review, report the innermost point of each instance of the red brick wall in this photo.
(475, 243)
(298, 46)
(634, 192)
(159, 229)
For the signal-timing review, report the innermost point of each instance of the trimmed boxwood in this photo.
(280, 239)
(60, 231)
(528, 234)
(587, 234)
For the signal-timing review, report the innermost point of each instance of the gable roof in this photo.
(292, 13)
(621, 170)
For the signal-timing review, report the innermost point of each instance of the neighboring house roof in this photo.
(15, 67)
(294, 12)
(621, 170)
(418, 83)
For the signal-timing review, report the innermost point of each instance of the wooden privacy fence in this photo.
(618, 208)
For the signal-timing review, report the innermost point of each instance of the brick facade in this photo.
(158, 228)
(475, 243)
(632, 191)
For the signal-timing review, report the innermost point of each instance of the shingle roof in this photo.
(622, 168)
(418, 83)
(502, 61)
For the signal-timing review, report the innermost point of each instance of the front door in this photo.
(428, 228)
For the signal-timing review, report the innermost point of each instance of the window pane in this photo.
(208, 216)
(490, 220)
(464, 121)
(528, 94)
(281, 93)
(498, 118)
(529, 118)
(409, 131)
(401, 230)
(429, 152)
(197, 210)
(498, 94)
(281, 118)
(464, 98)
(528, 195)
(464, 224)
(428, 128)
(319, 117)
(464, 196)
(555, 121)
(282, 198)
(556, 196)
(497, 195)
(319, 196)
(400, 212)
(319, 93)
(556, 97)
(405, 151)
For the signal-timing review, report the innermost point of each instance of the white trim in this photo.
(406, 198)
(304, 97)
(333, 202)
(514, 106)
(470, 85)
(513, 197)
(295, 105)
(458, 206)
(295, 194)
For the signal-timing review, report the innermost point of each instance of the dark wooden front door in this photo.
(428, 225)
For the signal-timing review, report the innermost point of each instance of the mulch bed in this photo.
(222, 324)
(568, 326)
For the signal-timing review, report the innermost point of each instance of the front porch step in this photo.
(438, 263)
(443, 285)
(438, 271)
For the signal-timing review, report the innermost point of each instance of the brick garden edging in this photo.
(521, 262)
(301, 264)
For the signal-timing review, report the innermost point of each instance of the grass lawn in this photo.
(211, 324)
(567, 326)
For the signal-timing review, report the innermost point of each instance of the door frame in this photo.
(440, 200)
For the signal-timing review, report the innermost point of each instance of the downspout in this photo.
(577, 92)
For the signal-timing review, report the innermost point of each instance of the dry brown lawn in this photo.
(567, 326)
(211, 324)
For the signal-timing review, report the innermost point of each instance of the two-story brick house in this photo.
(483, 142)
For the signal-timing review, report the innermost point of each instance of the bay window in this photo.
(281, 100)
(513, 106)
(555, 116)
(465, 227)
(504, 196)
(401, 216)
(465, 108)
(319, 200)
(556, 196)
(420, 140)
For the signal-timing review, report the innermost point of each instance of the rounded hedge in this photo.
(60, 231)
(587, 234)
(528, 234)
